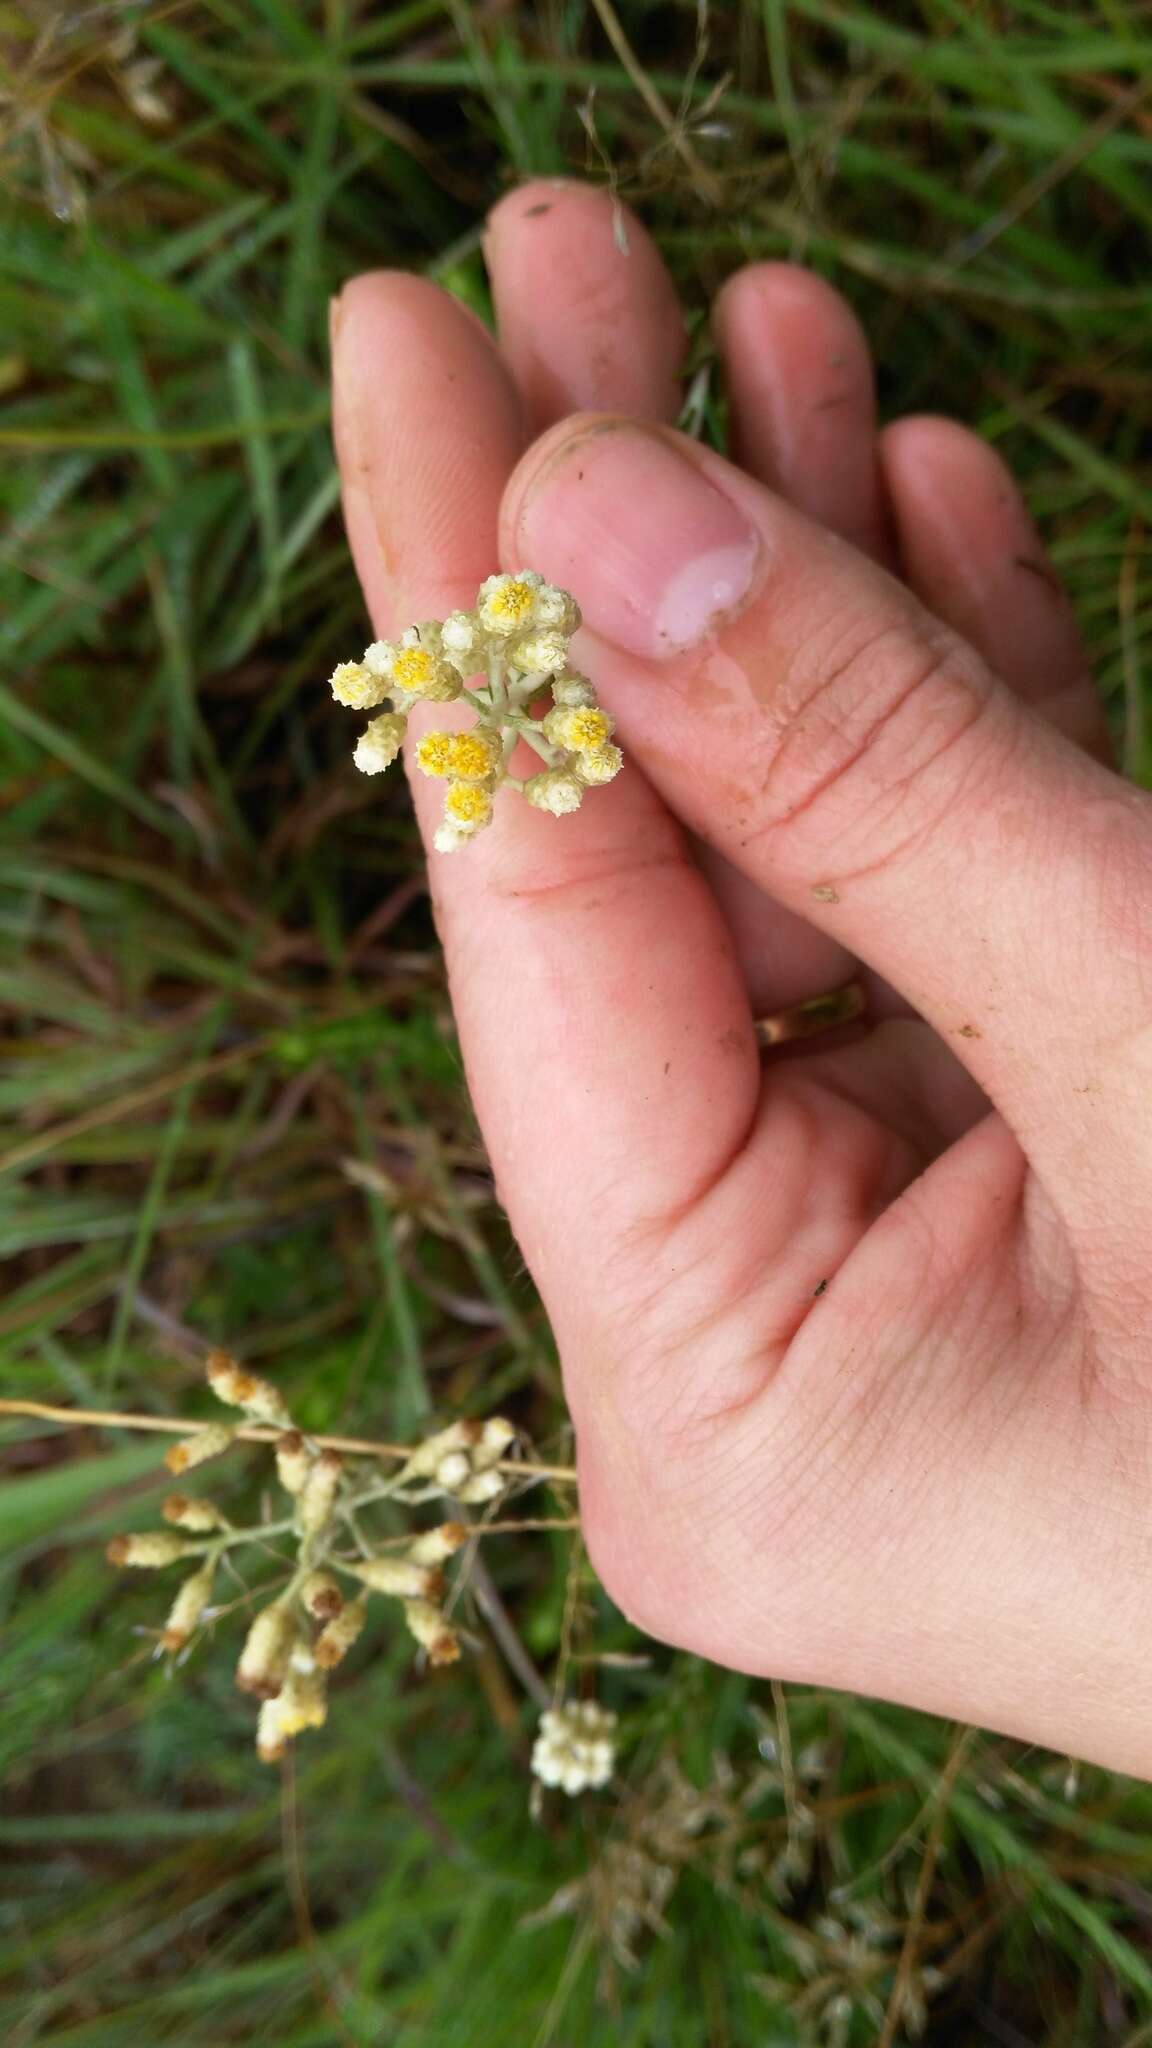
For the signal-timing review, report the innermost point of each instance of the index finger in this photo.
(602, 1017)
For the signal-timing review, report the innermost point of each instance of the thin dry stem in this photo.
(256, 1433)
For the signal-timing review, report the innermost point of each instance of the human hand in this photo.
(845, 667)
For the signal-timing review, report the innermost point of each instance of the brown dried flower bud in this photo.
(188, 1607)
(240, 1389)
(267, 1651)
(432, 1631)
(196, 1450)
(336, 1639)
(437, 1544)
(188, 1512)
(321, 1596)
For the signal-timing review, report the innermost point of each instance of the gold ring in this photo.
(810, 1018)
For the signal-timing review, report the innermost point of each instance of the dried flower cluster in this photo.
(306, 1629)
(576, 1746)
(516, 638)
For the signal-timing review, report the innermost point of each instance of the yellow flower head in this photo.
(356, 686)
(474, 756)
(414, 669)
(434, 753)
(583, 729)
(467, 805)
(506, 604)
(414, 666)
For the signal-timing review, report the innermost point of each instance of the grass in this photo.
(233, 1105)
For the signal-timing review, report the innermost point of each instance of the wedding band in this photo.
(808, 1019)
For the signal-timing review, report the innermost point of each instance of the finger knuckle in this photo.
(874, 737)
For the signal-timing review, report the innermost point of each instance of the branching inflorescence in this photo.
(513, 645)
(316, 1615)
(320, 1602)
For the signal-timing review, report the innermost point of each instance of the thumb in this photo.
(802, 712)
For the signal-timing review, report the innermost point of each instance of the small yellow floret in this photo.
(467, 804)
(586, 731)
(356, 686)
(512, 600)
(434, 753)
(473, 756)
(413, 670)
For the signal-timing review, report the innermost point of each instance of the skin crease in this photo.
(927, 1478)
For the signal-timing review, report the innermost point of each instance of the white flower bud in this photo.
(293, 1461)
(450, 839)
(399, 1576)
(574, 691)
(318, 1496)
(556, 611)
(379, 743)
(483, 1486)
(543, 654)
(576, 1747)
(459, 635)
(602, 765)
(453, 1470)
(462, 1434)
(496, 1438)
(150, 1551)
(557, 790)
(271, 1740)
(354, 684)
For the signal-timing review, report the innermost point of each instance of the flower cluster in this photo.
(576, 1746)
(514, 646)
(312, 1620)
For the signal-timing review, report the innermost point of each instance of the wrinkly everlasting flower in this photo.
(576, 1746)
(514, 643)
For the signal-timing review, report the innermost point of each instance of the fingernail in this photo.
(655, 554)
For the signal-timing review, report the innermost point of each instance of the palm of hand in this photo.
(849, 1352)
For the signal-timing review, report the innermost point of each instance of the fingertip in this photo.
(587, 313)
(427, 425)
(803, 407)
(970, 549)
